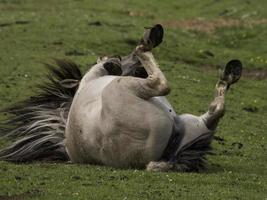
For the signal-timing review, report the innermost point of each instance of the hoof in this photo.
(113, 66)
(159, 166)
(232, 72)
(152, 37)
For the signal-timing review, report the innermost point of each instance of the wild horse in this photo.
(116, 115)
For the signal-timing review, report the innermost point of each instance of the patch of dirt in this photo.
(209, 26)
(220, 140)
(25, 195)
(139, 14)
(237, 145)
(57, 43)
(14, 197)
(22, 22)
(95, 23)
(252, 109)
(99, 23)
(18, 22)
(258, 74)
(5, 24)
(135, 13)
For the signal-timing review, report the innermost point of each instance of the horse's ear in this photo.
(69, 83)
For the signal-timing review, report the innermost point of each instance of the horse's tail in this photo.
(38, 123)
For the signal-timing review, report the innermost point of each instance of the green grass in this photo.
(33, 32)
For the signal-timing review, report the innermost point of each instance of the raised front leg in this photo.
(231, 74)
(156, 83)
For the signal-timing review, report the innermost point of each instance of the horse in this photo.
(116, 114)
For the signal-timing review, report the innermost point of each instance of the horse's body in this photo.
(114, 120)
(110, 129)
(109, 124)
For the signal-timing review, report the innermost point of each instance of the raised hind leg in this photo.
(231, 74)
(192, 135)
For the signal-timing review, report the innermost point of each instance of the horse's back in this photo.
(110, 125)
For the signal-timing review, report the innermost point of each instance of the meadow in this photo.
(200, 38)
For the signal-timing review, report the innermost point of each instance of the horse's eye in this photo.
(140, 72)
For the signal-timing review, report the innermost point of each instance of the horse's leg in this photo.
(216, 110)
(190, 127)
(217, 107)
(130, 64)
(156, 83)
(160, 166)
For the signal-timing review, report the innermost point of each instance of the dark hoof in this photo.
(232, 72)
(113, 66)
(153, 36)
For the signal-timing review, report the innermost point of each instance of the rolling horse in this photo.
(116, 114)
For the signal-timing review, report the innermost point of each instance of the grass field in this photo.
(200, 37)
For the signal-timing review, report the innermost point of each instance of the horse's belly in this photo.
(135, 134)
(135, 146)
(117, 138)
(119, 146)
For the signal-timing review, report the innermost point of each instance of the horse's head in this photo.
(125, 66)
(130, 65)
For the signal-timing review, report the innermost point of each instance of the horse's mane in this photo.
(38, 123)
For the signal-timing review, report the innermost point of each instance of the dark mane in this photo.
(38, 123)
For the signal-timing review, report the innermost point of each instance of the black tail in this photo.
(38, 123)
